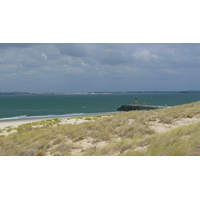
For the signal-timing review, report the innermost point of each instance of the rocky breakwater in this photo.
(129, 107)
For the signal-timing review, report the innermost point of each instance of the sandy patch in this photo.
(15, 123)
(130, 121)
(160, 127)
(140, 148)
(64, 120)
(78, 147)
(74, 121)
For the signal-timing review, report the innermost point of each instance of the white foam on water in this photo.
(53, 116)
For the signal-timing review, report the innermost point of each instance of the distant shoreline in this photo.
(99, 93)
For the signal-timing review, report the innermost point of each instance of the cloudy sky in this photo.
(67, 67)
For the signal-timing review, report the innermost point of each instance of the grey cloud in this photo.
(75, 50)
(103, 66)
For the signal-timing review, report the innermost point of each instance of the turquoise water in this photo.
(23, 106)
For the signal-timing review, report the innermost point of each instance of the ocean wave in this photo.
(14, 118)
(39, 116)
(53, 116)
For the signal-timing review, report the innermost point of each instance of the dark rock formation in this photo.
(128, 107)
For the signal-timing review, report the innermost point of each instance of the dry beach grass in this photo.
(170, 131)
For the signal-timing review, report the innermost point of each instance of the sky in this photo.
(87, 67)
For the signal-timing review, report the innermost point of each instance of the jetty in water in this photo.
(129, 107)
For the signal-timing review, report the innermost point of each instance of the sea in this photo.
(41, 106)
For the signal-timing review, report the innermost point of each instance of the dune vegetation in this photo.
(171, 131)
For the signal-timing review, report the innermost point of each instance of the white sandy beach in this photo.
(16, 123)
(64, 120)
